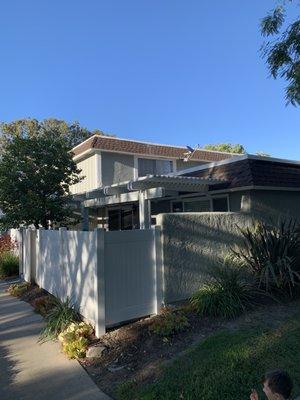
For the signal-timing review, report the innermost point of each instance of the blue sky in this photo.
(169, 71)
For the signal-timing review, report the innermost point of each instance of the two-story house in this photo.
(126, 182)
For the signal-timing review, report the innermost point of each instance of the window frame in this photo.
(201, 198)
(136, 163)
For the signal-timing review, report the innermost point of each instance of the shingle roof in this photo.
(134, 147)
(252, 172)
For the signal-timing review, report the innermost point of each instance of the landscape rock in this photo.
(95, 351)
(113, 368)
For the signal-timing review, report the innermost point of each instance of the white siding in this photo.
(88, 171)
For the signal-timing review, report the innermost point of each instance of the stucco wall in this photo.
(116, 167)
(274, 203)
(192, 243)
(240, 201)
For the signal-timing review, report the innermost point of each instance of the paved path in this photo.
(30, 371)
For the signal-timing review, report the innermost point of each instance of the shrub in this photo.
(227, 294)
(43, 305)
(75, 339)
(61, 315)
(7, 244)
(169, 322)
(9, 264)
(18, 289)
(272, 253)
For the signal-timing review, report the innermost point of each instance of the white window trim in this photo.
(135, 167)
(98, 170)
(202, 198)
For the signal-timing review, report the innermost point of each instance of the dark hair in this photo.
(279, 382)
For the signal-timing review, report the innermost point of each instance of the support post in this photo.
(159, 271)
(99, 284)
(63, 293)
(32, 243)
(144, 211)
(21, 252)
(38, 256)
(84, 218)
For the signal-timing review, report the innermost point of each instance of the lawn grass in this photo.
(226, 366)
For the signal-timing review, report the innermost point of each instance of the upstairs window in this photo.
(147, 166)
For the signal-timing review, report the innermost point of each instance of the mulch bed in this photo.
(34, 292)
(134, 353)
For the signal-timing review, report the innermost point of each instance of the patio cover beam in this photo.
(95, 194)
(149, 194)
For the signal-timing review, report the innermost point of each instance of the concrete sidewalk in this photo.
(31, 371)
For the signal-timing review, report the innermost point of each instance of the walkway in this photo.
(30, 371)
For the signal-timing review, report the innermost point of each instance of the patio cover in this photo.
(166, 183)
(143, 189)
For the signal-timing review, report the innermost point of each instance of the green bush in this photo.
(169, 322)
(75, 339)
(227, 294)
(18, 289)
(9, 264)
(272, 254)
(61, 315)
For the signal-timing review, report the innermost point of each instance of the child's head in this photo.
(277, 385)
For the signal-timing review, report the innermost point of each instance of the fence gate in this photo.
(130, 275)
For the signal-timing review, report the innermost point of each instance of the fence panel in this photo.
(112, 277)
(48, 271)
(67, 267)
(130, 275)
(79, 265)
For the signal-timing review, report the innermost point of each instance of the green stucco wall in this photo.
(266, 204)
(240, 201)
(192, 243)
(271, 204)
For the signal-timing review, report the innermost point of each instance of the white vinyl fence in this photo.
(112, 277)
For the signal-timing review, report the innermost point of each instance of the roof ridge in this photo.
(165, 145)
(97, 136)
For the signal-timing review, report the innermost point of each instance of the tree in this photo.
(35, 175)
(283, 53)
(262, 154)
(72, 133)
(226, 147)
